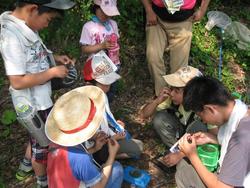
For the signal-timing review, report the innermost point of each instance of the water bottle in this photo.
(114, 52)
(219, 19)
(30, 119)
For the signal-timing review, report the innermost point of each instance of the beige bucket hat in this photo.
(76, 116)
(182, 76)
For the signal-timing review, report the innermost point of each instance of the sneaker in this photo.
(22, 175)
(23, 172)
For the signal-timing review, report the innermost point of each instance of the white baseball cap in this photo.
(100, 68)
(109, 7)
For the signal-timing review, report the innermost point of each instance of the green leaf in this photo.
(8, 117)
(5, 133)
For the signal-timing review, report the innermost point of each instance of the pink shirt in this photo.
(95, 33)
(188, 4)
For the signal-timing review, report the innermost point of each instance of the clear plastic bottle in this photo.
(219, 19)
(30, 119)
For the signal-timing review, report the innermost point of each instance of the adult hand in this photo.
(151, 18)
(204, 138)
(63, 59)
(187, 145)
(59, 71)
(198, 15)
(172, 159)
(113, 147)
(163, 95)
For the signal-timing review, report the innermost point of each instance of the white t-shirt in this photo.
(95, 33)
(24, 53)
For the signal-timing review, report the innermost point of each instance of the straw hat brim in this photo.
(57, 136)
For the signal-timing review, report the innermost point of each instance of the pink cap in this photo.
(109, 7)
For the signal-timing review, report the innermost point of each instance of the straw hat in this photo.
(76, 116)
(182, 76)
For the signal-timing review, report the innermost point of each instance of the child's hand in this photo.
(100, 140)
(163, 95)
(172, 159)
(121, 123)
(59, 71)
(63, 59)
(113, 147)
(119, 136)
(108, 44)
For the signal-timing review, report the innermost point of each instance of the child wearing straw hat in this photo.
(74, 119)
(28, 64)
(100, 71)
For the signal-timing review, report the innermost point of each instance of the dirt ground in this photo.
(134, 90)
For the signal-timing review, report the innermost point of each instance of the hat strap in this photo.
(87, 122)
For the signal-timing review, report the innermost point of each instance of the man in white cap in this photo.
(28, 64)
(170, 119)
(74, 119)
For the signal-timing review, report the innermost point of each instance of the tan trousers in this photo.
(186, 176)
(175, 37)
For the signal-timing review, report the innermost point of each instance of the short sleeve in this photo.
(85, 35)
(13, 54)
(83, 167)
(164, 105)
(115, 27)
(235, 163)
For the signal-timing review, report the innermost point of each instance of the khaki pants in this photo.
(168, 126)
(186, 176)
(175, 37)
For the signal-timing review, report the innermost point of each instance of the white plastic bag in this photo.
(219, 19)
